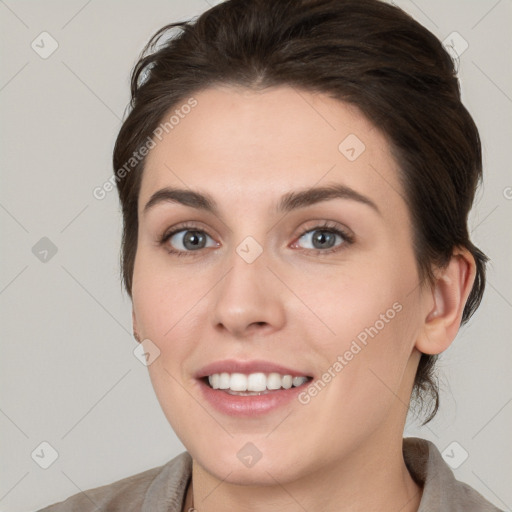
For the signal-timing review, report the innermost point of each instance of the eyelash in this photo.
(326, 226)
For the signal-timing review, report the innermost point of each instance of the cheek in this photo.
(175, 403)
(355, 305)
(368, 331)
(363, 378)
(164, 296)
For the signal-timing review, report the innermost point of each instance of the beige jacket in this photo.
(162, 489)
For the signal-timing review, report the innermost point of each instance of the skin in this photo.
(293, 305)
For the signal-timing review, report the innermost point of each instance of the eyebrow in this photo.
(184, 197)
(311, 196)
(288, 202)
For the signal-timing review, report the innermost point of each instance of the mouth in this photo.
(250, 388)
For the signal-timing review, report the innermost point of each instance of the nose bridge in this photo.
(249, 266)
(248, 294)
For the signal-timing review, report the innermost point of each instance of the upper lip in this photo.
(247, 367)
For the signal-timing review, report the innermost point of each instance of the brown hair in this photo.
(364, 52)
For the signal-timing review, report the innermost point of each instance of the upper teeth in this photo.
(254, 381)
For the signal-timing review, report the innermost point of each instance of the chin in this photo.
(261, 473)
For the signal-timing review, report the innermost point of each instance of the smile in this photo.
(249, 388)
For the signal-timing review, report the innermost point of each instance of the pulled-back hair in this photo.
(363, 52)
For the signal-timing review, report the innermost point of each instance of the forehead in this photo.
(258, 145)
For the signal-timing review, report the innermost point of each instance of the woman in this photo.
(295, 179)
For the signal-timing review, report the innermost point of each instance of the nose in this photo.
(249, 299)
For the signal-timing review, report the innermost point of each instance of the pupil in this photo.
(322, 237)
(193, 239)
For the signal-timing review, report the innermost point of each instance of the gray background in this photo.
(68, 373)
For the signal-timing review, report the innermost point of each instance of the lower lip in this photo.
(250, 405)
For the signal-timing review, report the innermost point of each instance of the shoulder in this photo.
(132, 493)
(441, 490)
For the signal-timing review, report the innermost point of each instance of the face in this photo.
(262, 284)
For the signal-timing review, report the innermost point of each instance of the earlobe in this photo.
(450, 292)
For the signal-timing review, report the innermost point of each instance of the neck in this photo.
(362, 482)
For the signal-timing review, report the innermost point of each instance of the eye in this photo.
(323, 239)
(187, 239)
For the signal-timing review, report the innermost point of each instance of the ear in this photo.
(449, 295)
(134, 323)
